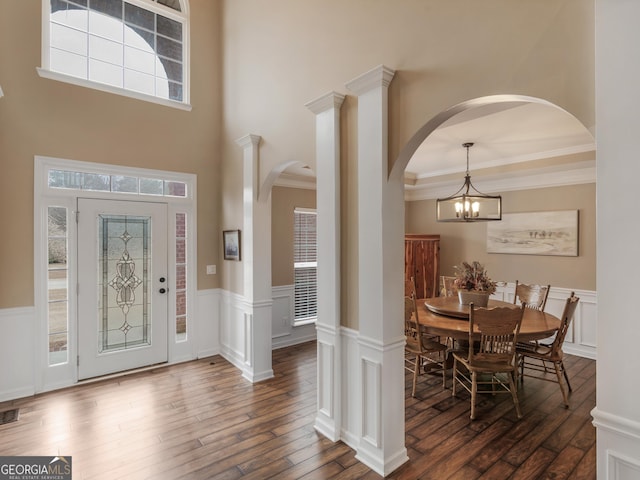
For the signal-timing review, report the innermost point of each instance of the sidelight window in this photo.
(57, 284)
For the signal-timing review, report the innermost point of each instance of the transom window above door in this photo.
(135, 48)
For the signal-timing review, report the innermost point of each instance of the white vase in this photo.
(479, 299)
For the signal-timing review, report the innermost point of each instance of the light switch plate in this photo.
(211, 269)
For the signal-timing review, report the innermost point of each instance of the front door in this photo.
(122, 286)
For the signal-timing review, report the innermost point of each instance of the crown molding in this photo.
(575, 174)
(499, 162)
(559, 176)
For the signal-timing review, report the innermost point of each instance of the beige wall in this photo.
(460, 241)
(281, 54)
(283, 202)
(276, 56)
(44, 117)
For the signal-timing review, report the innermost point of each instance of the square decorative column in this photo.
(616, 415)
(380, 281)
(327, 110)
(256, 259)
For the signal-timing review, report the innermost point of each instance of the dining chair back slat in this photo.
(448, 287)
(535, 296)
(410, 287)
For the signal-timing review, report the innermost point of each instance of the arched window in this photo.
(133, 47)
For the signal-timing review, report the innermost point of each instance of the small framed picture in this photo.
(231, 242)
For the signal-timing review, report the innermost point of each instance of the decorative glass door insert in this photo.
(123, 271)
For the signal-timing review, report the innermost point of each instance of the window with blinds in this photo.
(305, 265)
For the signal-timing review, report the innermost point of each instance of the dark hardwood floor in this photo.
(202, 420)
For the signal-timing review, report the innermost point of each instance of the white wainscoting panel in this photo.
(371, 408)
(362, 415)
(351, 393)
(17, 352)
(620, 460)
(245, 329)
(621, 467)
(284, 333)
(19, 347)
(234, 324)
(326, 380)
(232, 328)
(208, 327)
(329, 371)
(282, 315)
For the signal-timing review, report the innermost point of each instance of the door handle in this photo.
(163, 290)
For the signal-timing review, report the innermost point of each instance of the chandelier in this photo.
(468, 204)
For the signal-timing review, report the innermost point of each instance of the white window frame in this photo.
(302, 265)
(183, 16)
(180, 348)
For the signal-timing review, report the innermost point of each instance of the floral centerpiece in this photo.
(473, 284)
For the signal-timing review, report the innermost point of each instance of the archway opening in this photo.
(292, 187)
(534, 153)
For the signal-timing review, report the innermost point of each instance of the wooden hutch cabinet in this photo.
(422, 261)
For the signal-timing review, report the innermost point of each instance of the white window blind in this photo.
(305, 265)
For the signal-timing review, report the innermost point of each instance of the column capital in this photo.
(379, 76)
(325, 102)
(249, 139)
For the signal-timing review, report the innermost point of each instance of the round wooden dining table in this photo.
(445, 316)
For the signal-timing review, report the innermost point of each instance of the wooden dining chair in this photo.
(535, 296)
(410, 287)
(422, 353)
(537, 357)
(448, 288)
(491, 356)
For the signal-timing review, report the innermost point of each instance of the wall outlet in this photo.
(211, 269)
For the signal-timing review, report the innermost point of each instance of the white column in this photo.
(327, 110)
(617, 416)
(256, 259)
(380, 281)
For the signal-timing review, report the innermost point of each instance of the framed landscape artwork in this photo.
(231, 242)
(535, 233)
